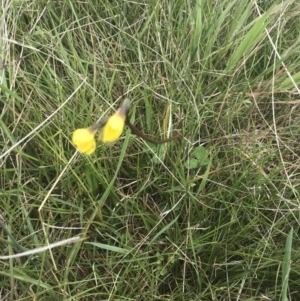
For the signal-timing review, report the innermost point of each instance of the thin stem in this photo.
(139, 133)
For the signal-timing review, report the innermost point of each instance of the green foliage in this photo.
(286, 266)
(174, 222)
(198, 158)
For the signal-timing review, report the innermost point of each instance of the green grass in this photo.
(224, 74)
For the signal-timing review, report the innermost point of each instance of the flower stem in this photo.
(139, 133)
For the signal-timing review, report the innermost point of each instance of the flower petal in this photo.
(113, 128)
(84, 139)
(92, 148)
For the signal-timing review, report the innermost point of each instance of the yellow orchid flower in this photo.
(84, 139)
(114, 126)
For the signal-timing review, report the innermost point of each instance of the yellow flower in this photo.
(84, 139)
(114, 126)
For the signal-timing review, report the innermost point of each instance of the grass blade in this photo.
(164, 229)
(254, 35)
(108, 247)
(286, 266)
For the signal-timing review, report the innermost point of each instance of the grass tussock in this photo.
(157, 223)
